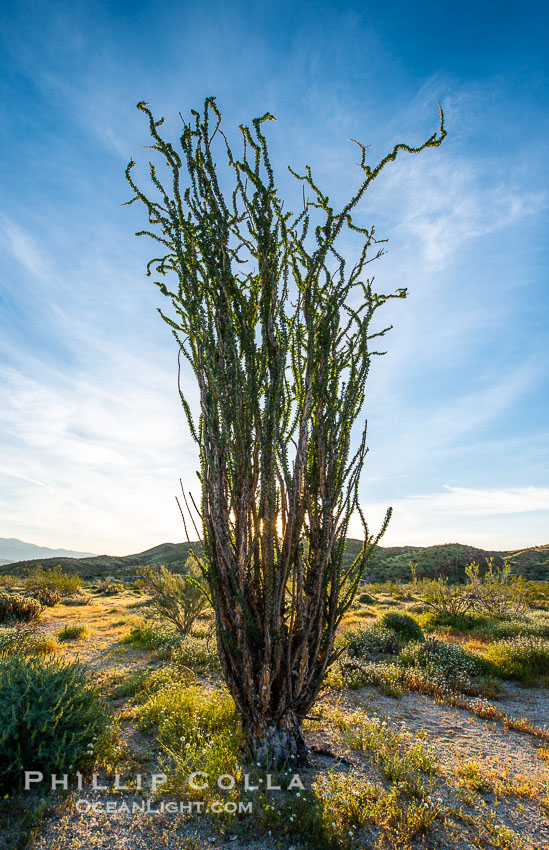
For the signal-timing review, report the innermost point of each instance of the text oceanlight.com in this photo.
(174, 807)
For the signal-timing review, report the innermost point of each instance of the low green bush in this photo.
(197, 653)
(19, 640)
(494, 626)
(388, 636)
(50, 717)
(369, 640)
(73, 631)
(436, 657)
(162, 641)
(78, 599)
(354, 673)
(524, 657)
(509, 627)
(14, 606)
(47, 596)
(405, 626)
(365, 598)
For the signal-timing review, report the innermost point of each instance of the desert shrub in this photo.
(198, 653)
(50, 716)
(78, 599)
(537, 590)
(404, 626)
(391, 588)
(430, 667)
(107, 587)
(176, 599)
(8, 582)
(494, 626)
(392, 678)
(440, 678)
(16, 607)
(384, 675)
(19, 640)
(438, 658)
(73, 631)
(459, 623)
(388, 635)
(55, 579)
(444, 599)
(152, 637)
(47, 596)
(524, 657)
(369, 640)
(497, 628)
(365, 598)
(354, 671)
(538, 620)
(497, 591)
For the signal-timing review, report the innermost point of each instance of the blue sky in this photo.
(92, 438)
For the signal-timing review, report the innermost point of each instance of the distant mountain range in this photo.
(171, 555)
(13, 550)
(448, 559)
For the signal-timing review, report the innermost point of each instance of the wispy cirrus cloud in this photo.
(498, 518)
(24, 248)
(470, 501)
(95, 459)
(440, 204)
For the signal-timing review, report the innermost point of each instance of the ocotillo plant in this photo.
(277, 331)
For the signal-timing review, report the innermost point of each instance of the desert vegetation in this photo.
(430, 728)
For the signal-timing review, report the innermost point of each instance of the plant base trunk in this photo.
(276, 743)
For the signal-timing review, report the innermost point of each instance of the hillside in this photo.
(14, 550)
(171, 555)
(393, 562)
(450, 560)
